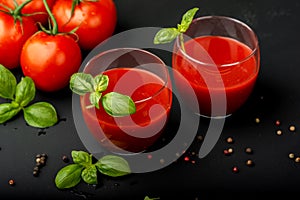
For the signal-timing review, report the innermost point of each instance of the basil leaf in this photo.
(81, 157)
(81, 83)
(116, 104)
(40, 115)
(114, 166)
(8, 111)
(69, 176)
(101, 83)
(89, 175)
(8, 83)
(165, 35)
(186, 20)
(95, 98)
(25, 91)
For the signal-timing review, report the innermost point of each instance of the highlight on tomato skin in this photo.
(96, 21)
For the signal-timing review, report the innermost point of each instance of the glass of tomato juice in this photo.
(145, 78)
(218, 57)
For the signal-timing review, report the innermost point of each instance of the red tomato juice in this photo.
(134, 133)
(231, 72)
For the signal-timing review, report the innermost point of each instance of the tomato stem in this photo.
(54, 29)
(17, 11)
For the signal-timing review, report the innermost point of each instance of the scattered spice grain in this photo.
(248, 150)
(229, 140)
(65, 159)
(277, 122)
(249, 163)
(235, 169)
(279, 132)
(11, 182)
(292, 128)
(291, 155)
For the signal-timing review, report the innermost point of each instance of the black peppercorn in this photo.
(65, 158)
(35, 173)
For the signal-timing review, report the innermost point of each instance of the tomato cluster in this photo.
(51, 56)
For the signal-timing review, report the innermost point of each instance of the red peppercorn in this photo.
(11, 182)
(186, 158)
(235, 169)
(277, 123)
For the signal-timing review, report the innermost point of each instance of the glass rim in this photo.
(253, 50)
(148, 53)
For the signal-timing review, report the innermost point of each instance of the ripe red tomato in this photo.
(34, 6)
(50, 60)
(96, 20)
(13, 34)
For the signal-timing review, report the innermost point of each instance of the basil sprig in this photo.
(84, 169)
(40, 114)
(115, 104)
(167, 35)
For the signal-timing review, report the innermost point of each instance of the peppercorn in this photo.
(35, 173)
(249, 163)
(225, 151)
(277, 123)
(11, 182)
(200, 137)
(279, 132)
(229, 140)
(65, 159)
(297, 159)
(36, 168)
(248, 150)
(44, 155)
(40, 161)
(235, 169)
(291, 156)
(257, 120)
(292, 128)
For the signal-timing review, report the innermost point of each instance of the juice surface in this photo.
(214, 65)
(138, 131)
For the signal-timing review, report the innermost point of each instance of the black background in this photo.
(276, 96)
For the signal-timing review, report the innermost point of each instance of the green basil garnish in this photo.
(81, 83)
(81, 157)
(89, 175)
(8, 111)
(167, 35)
(40, 114)
(101, 83)
(115, 104)
(25, 91)
(69, 176)
(113, 166)
(83, 168)
(8, 83)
